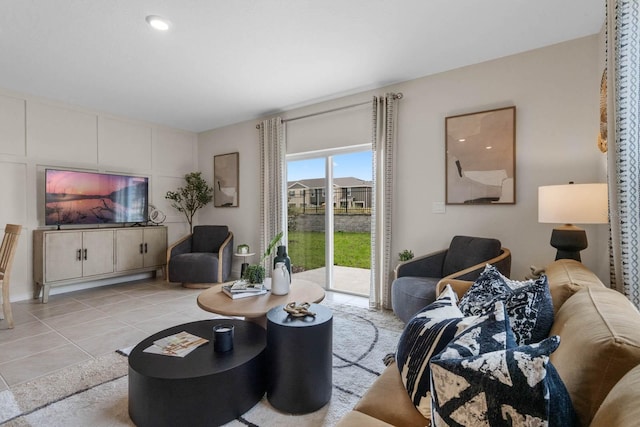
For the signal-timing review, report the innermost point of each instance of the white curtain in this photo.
(623, 85)
(272, 184)
(383, 140)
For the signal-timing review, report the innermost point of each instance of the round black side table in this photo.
(204, 388)
(299, 359)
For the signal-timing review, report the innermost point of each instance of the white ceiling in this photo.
(228, 61)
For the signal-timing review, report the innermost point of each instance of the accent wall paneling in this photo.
(116, 137)
(61, 134)
(62, 257)
(174, 152)
(13, 209)
(12, 126)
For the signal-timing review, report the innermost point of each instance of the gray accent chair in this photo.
(203, 257)
(415, 281)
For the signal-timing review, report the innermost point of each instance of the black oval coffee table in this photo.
(204, 388)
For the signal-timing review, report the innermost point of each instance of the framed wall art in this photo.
(480, 157)
(226, 180)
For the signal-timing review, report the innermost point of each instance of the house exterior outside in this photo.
(349, 194)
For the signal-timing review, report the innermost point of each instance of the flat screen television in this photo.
(73, 197)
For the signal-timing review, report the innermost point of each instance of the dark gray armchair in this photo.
(202, 257)
(415, 281)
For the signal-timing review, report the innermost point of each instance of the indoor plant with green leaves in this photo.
(193, 196)
(255, 273)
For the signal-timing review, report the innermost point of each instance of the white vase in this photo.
(280, 279)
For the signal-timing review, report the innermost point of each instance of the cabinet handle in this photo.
(79, 255)
(141, 248)
(85, 254)
(145, 248)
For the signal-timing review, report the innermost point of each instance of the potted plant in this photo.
(255, 273)
(193, 196)
(405, 255)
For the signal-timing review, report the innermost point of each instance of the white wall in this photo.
(556, 94)
(37, 133)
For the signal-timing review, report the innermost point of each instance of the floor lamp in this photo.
(571, 204)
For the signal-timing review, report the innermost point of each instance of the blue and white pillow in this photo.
(528, 303)
(513, 386)
(428, 332)
(432, 329)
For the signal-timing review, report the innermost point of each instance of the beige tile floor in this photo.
(77, 326)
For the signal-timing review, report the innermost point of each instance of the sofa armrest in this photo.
(460, 287)
(429, 265)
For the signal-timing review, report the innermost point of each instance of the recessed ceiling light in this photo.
(461, 140)
(488, 147)
(158, 22)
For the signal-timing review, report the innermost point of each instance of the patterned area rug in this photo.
(95, 393)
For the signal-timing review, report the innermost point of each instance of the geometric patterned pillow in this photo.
(515, 386)
(528, 303)
(428, 332)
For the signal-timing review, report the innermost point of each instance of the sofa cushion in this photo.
(388, 401)
(600, 344)
(566, 277)
(528, 303)
(513, 386)
(620, 408)
(358, 419)
(424, 336)
(466, 251)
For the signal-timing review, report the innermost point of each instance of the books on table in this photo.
(243, 289)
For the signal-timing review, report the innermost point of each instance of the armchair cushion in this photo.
(208, 238)
(465, 251)
(202, 257)
(411, 294)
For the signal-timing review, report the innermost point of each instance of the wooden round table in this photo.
(255, 308)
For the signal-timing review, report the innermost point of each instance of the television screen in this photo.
(73, 197)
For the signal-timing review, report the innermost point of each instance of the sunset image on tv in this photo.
(73, 197)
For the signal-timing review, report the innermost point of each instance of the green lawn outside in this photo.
(306, 249)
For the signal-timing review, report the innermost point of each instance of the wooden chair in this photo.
(7, 251)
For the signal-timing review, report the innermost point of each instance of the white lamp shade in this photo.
(573, 204)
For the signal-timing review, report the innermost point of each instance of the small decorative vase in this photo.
(281, 256)
(280, 279)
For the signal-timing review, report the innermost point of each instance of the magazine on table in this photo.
(178, 345)
(242, 289)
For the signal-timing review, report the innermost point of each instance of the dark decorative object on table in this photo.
(281, 256)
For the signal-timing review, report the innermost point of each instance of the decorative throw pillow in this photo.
(514, 386)
(428, 332)
(528, 303)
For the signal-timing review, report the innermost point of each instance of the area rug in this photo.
(95, 393)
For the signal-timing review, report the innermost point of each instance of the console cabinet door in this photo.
(97, 252)
(155, 246)
(129, 249)
(63, 256)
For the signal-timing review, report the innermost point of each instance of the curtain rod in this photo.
(396, 96)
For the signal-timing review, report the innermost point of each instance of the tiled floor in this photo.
(77, 326)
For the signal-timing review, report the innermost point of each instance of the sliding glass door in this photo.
(329, 218)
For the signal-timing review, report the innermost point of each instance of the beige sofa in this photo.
(598, 358)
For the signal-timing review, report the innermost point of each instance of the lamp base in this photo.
(569, 240)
